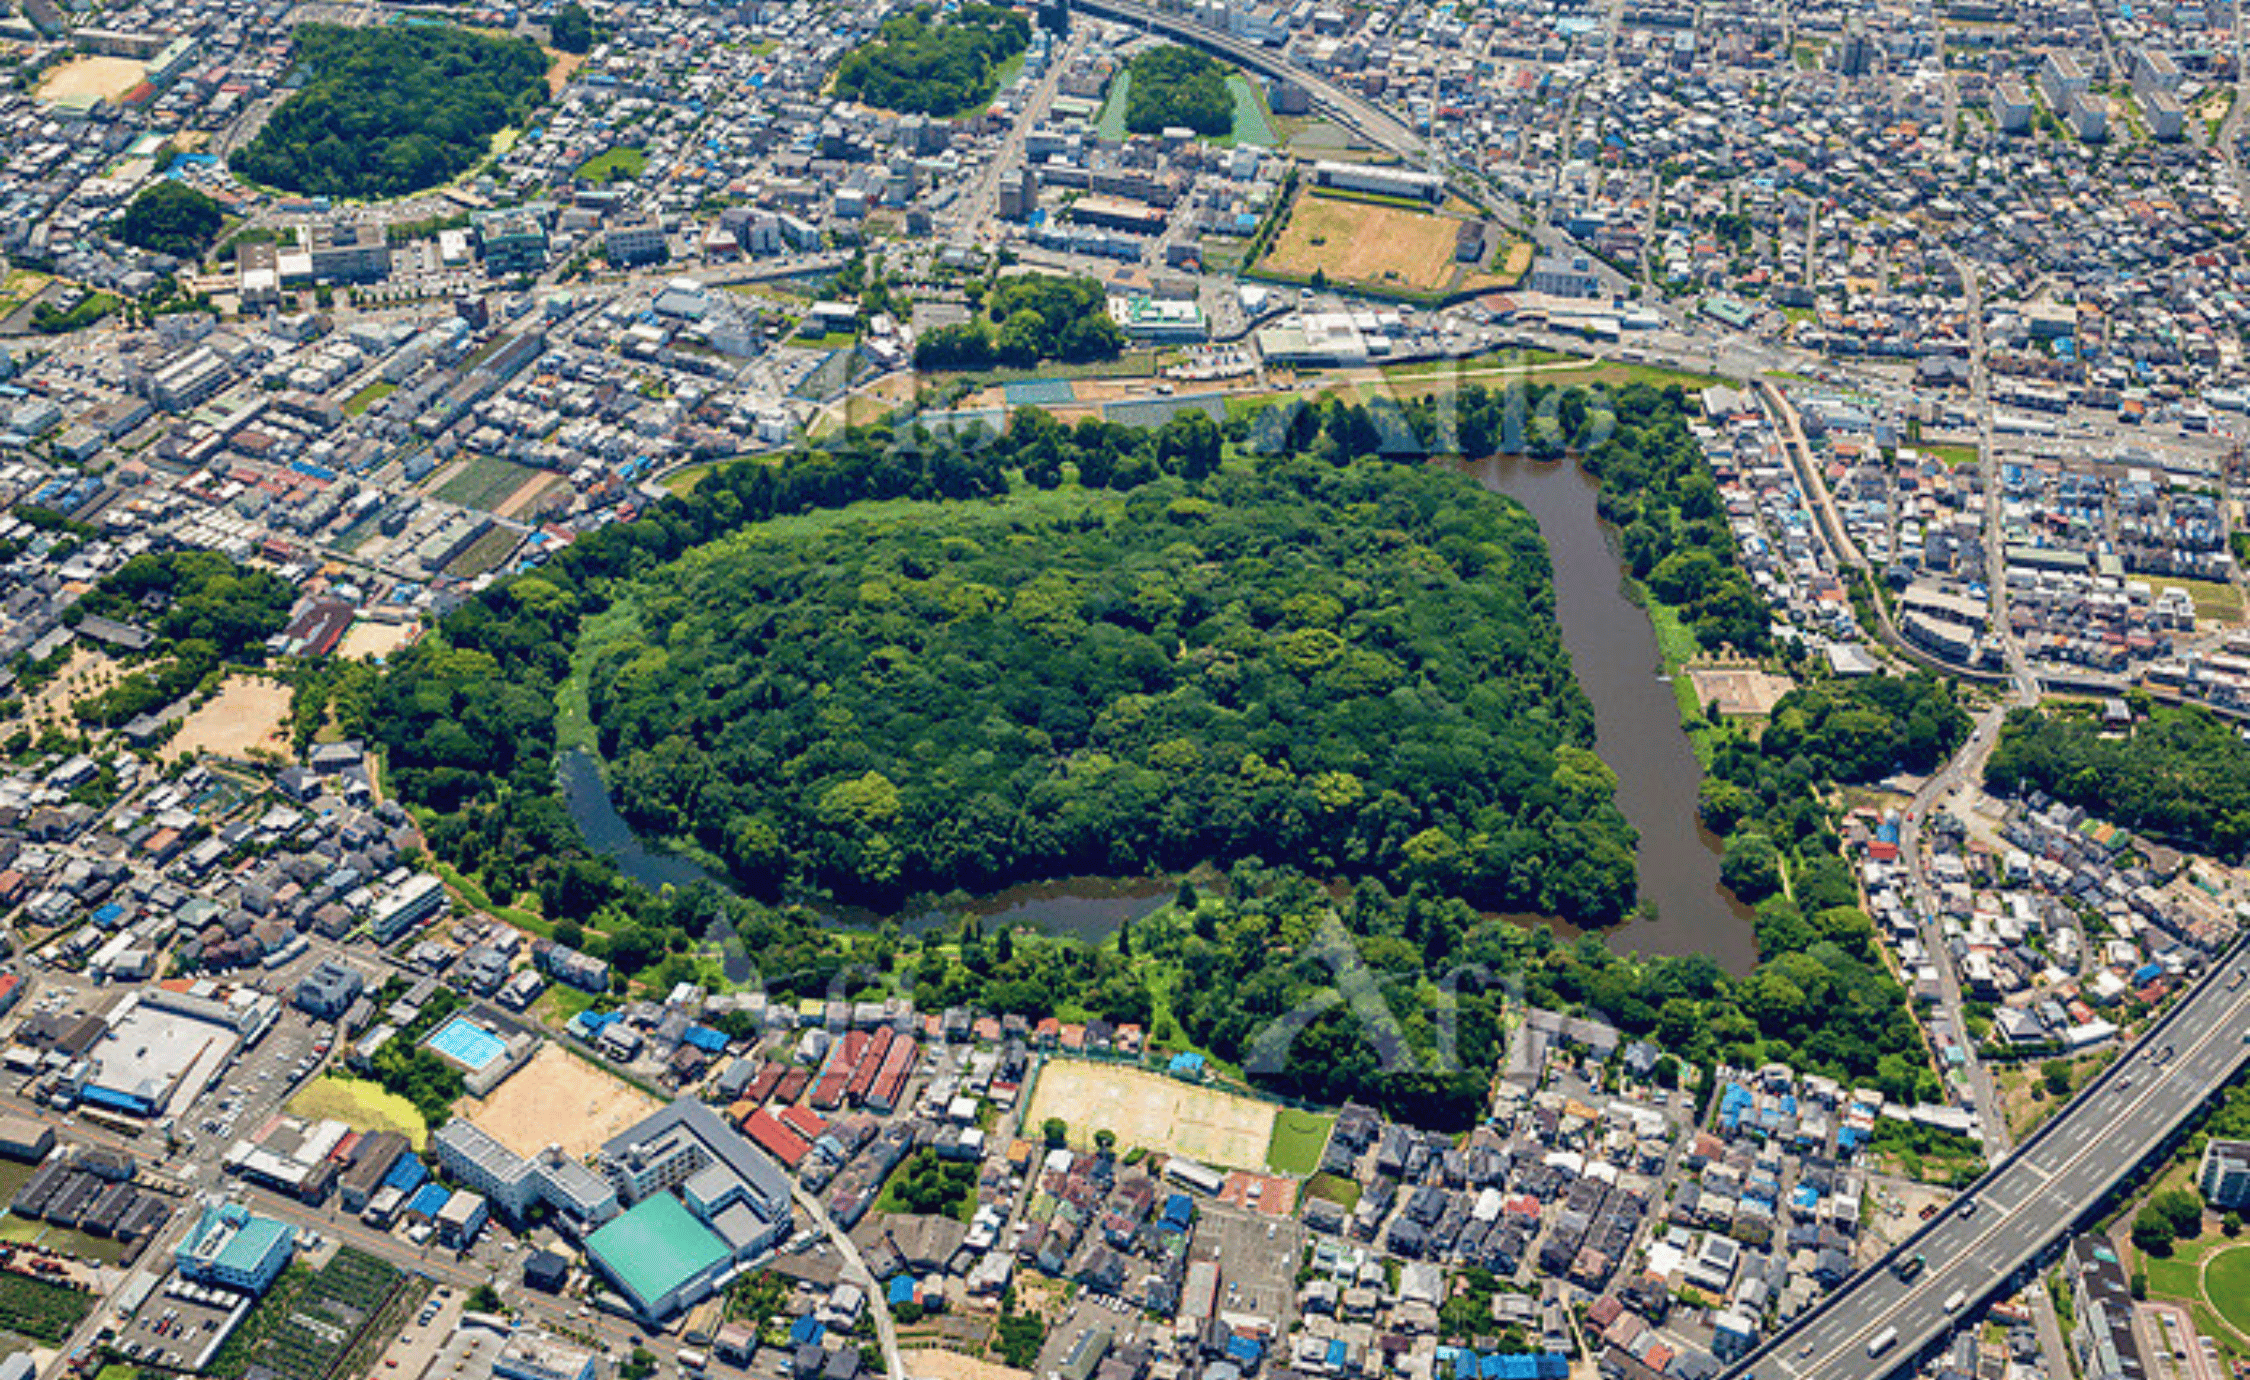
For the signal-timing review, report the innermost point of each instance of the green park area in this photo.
(1298, 1138)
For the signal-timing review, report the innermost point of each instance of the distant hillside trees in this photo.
(387, 112)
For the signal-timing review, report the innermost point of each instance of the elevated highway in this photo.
(1992, 1239)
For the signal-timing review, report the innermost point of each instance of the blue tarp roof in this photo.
(806, 1329)
(428, 1199)
(704, 1038)
(408, 1174)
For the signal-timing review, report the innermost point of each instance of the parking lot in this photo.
(1089, 1311)
(181, 1324)
(1258, 1257)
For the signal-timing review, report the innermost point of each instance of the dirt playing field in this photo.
(1149, 1109)
(368, 638)
(558, 1099)
(1357, 242)
(249, 712)
(936, 1364)
(92, 76)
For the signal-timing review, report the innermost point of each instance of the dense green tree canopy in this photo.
(1354, 669)
(572, 28)
(197, 595)
(171, 218)
(1175, 86)
(388, 111)
(2183, 775)
(854, 738)
(920, 65)
(1028, 318)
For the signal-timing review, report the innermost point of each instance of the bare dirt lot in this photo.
(92, 76)
(1360, 242)
(936, 1364)
(1148, 1109)
(249, 712)
(558, 1099)
(1738, 690)
(369, 638)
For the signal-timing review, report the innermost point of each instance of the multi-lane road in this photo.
(2027, 1206)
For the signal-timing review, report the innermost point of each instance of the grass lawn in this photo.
(1298, 1139)
(1951, 454)
(2226, 1285)
(361, 1106)
(1337, 1189)
(559, 1003)
(830, 340)
(624, 162)
(2214, 602)
(369, 396)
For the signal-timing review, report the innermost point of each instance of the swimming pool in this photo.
(466, 1043)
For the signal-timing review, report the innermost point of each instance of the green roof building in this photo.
(229, 1245)
(660, 1257)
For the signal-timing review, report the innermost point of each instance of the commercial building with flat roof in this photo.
(403, 909)
(228, 1245)
(150, 1056)
(537, 1356)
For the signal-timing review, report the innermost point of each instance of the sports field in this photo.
(361, 1106)
(85, 77)
(248, 713)
(1150, 1110)
(1363, 243)
(558, 1099)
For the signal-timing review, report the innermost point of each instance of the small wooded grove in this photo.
(920, 64)
(1027, 319)
(1175, 87)
(905, 660)
(386, 111)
